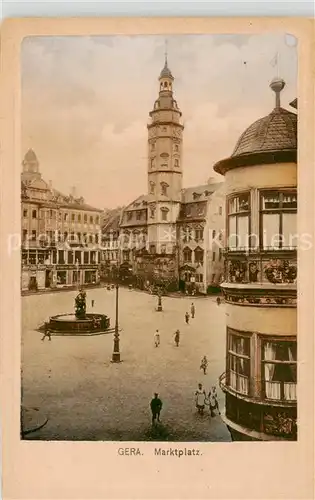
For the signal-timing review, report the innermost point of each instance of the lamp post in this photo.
(159, 307)
(116, 350)
(77, 268)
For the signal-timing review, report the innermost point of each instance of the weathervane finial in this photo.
(165, 53)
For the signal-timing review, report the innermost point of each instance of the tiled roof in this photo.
(199, 193)
(275, 132)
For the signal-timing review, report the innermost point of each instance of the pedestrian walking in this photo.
(46, 332)
(157, 338)
(176, 337)
(156, 407)
(213, 401)
(200, 399)
(192, 310)
(218, 301)
(92, 303)
(187, 318)
(204, 364)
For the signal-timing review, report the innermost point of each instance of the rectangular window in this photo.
(220, 210)
(213, 256)
(199, 234)
(77, 256)
(34, 214)
(129, 215)
(138, 215)
(54, 256)
(238, 362)
(86, 257)
(66, 217)
(24, 235)
(97, 220)
(85, 218)
(238, 221)
(279, 370)
(33, 235)
(72, 217)
(79, 217)
(61, 257)
(93, 258)
(91, 219)
(24, 213)
(70, 257)
(278, 219)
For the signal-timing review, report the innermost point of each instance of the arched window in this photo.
(152, 187)
(187, 254)
(152, 212)
(164, 187)
(176, 162)
(199, 255)
(176, 148)
(164, 212)
(165, 85)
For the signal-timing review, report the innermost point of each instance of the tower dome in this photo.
(271, 139)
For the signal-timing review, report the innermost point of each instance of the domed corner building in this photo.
(260, 279)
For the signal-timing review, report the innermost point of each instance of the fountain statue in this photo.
(80, 305)
(79, 323)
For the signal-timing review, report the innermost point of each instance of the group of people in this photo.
(203, 399)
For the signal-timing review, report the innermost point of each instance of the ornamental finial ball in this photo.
(277, 84)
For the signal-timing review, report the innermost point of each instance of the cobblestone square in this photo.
(86, 397)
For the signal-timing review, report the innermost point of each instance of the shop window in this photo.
(238, 362)
(238, 221)
(61, 277)
(279, 370)
(278, 219)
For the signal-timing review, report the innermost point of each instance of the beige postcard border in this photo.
(49, 470)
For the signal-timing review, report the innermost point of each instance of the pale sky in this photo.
(85, 104)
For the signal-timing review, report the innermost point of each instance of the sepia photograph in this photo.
(159, 238)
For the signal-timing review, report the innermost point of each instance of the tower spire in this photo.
(165, 52)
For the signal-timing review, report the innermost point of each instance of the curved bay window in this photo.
(278, 223)
(238, 361)
(279, 369)
(238, 221)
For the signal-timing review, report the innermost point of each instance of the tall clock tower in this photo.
(165, 133)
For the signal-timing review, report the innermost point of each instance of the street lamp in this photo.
(77, 267)
(116, 350)
(159, 307)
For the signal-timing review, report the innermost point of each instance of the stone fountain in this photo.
(79, 323)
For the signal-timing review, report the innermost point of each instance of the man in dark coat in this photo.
(156, 407)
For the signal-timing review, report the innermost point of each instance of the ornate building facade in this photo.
(260, 278)
(164, 235)
(60, 235)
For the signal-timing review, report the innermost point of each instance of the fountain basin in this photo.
(70, 324)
